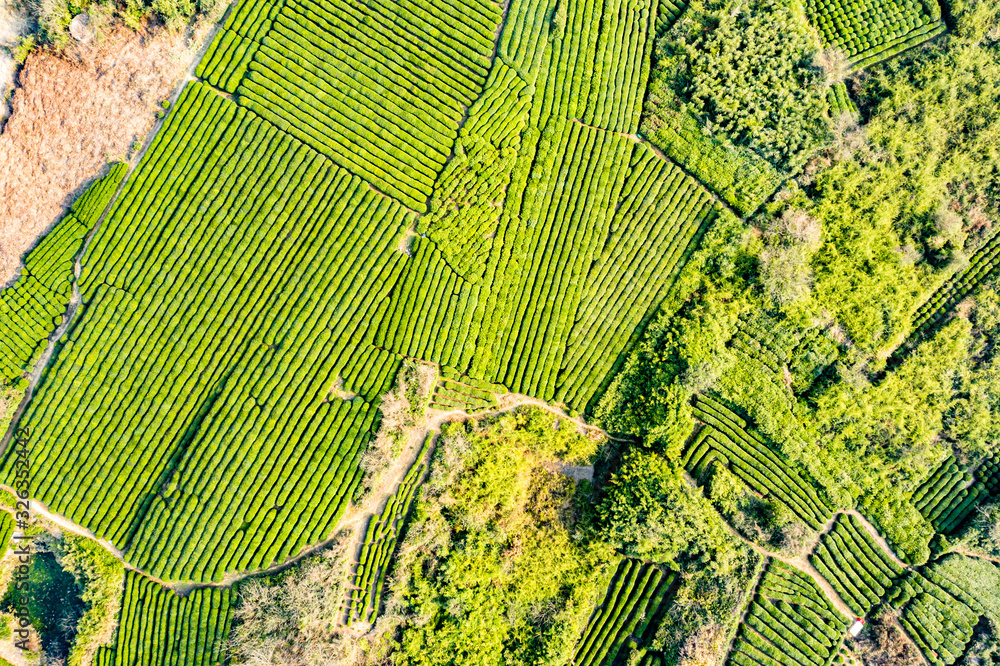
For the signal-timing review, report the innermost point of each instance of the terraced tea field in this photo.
(789, 620)
(950, 494)
(870, 32)
(726, 439)
(855, 565)
(253, 260)
(351, 187)
(630, 605)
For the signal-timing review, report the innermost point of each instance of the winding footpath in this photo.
(801, 562)
(355, 517)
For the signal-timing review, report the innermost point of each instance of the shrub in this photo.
(101, 577)
(790, 242)
(23, 48)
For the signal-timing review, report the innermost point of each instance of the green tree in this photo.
(747, 71)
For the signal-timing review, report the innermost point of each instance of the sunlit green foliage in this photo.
(494, 534)
(748, 74)
(869, 33)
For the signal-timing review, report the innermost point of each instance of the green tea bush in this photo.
(940, 623)
(855, 565)
(383, 533)
(221, 255)
(158, 627)
(33, 307)
(348, 88)
(790, 621)
(875, 31)
(747, 455)
(632, 600)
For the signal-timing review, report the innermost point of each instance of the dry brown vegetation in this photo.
(291, 620)
(884, 644)
(72, 114)
(403, 410)
(704, 647)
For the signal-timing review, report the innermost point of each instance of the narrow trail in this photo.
(513, 400)
(873, 533)
(38, 508)
(802, 563)
(354, 518)
(976, 556)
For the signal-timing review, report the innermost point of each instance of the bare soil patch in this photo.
(13, 24)
(74, 113)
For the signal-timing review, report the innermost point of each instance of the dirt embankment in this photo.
(71, 114)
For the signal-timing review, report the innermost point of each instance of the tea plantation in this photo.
(596, 333)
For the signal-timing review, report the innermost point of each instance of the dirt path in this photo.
(66, 524)
(12, 654)
(978, 556)
(354, 518)
(514, 400)
(868, 527)
(802, 563)
(873, 533)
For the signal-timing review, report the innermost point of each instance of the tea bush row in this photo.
(32, 308)
(659, 220)
(633, 598)
(230, 285)
(789, 621)
(981, 266)
(377, 86)
(940, 623)
(729, 437)
(869, 31)
(450, 394)
(781, 346)
(380, 542)
(158, 627)
(854, 564)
